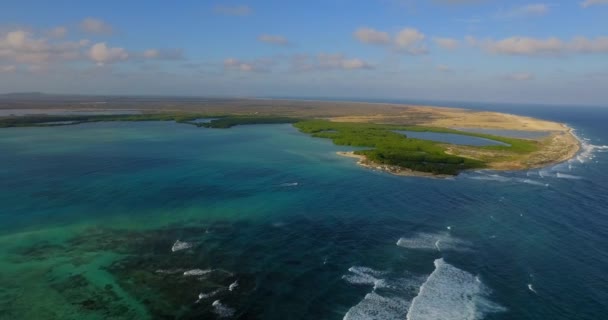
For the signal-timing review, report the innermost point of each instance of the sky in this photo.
(458, 50)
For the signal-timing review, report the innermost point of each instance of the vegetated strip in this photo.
(395, 149)
(220, 121)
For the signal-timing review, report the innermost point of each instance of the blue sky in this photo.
(467, 50)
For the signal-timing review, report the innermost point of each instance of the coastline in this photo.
(559, 141)
(395, 170)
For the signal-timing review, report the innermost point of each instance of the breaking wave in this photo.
(567, 176)
(434, 241)
(389, 298)
(180, 245)
(222, 310)
(196, 272)
(451, 293)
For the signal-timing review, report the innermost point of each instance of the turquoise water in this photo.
(274, 225)
(452, 138)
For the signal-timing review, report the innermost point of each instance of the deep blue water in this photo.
(90, 212)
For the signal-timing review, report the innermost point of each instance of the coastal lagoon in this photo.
(273, 224)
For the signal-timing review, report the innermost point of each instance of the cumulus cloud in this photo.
(372, 36)
(410, 40)
(528, 46)
(273, 39)
(163, 54)
(407, 40)
(589, 3)
(529, 10)
(241, 10)
(7, 69)
(96, 26)
(21, 46)
(326, 62)
(446, 43)
(257, 65)
(102, 54)
(58, 32)
(520, 76)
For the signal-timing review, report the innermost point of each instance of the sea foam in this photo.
(434, 241)
(222, 310)
(375, 306)
(567, 176)
(389, 297)
(196, 272)
(451, 293)
(180, 245)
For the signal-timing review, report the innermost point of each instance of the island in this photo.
(375, 130)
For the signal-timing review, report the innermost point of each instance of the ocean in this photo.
(159, 220)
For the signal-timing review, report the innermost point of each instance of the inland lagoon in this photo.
(167, 220)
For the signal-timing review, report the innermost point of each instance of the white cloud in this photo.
(58, 32)
(257, 65)
(443, 68)
(520, 76)
(241, 10)
(529, 10)
(96, 26)
(589, 3)
(102, 54)
(273, 39)
(23, 47)
(326, 62)
(7, 69)
(409, 40)
(528, 46)
(372, 36)
(534, 9)
(446, 43)
(163, 54)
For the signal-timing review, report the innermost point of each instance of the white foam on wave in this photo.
(499, 178)
(533, 182)
(222, 310)
(169, 271)
(451, 293)
(568, 176)
(196, 272)
(389, 298)
(289, 184)
(531, 288)
(587, 152)
(180, 245)
(491, 177)
(375, 306)
(233, 285)
(365, 276)
(202, 296)
(434, 241)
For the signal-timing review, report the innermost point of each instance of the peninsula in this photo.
(372, 127)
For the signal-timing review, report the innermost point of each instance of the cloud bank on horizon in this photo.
(471, 50)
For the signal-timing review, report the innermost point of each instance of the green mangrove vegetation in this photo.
(391, 148)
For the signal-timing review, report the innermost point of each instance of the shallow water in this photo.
(90, 215)
(452, 138)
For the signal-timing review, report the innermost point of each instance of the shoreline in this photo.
(572, 141)
(394, 170)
